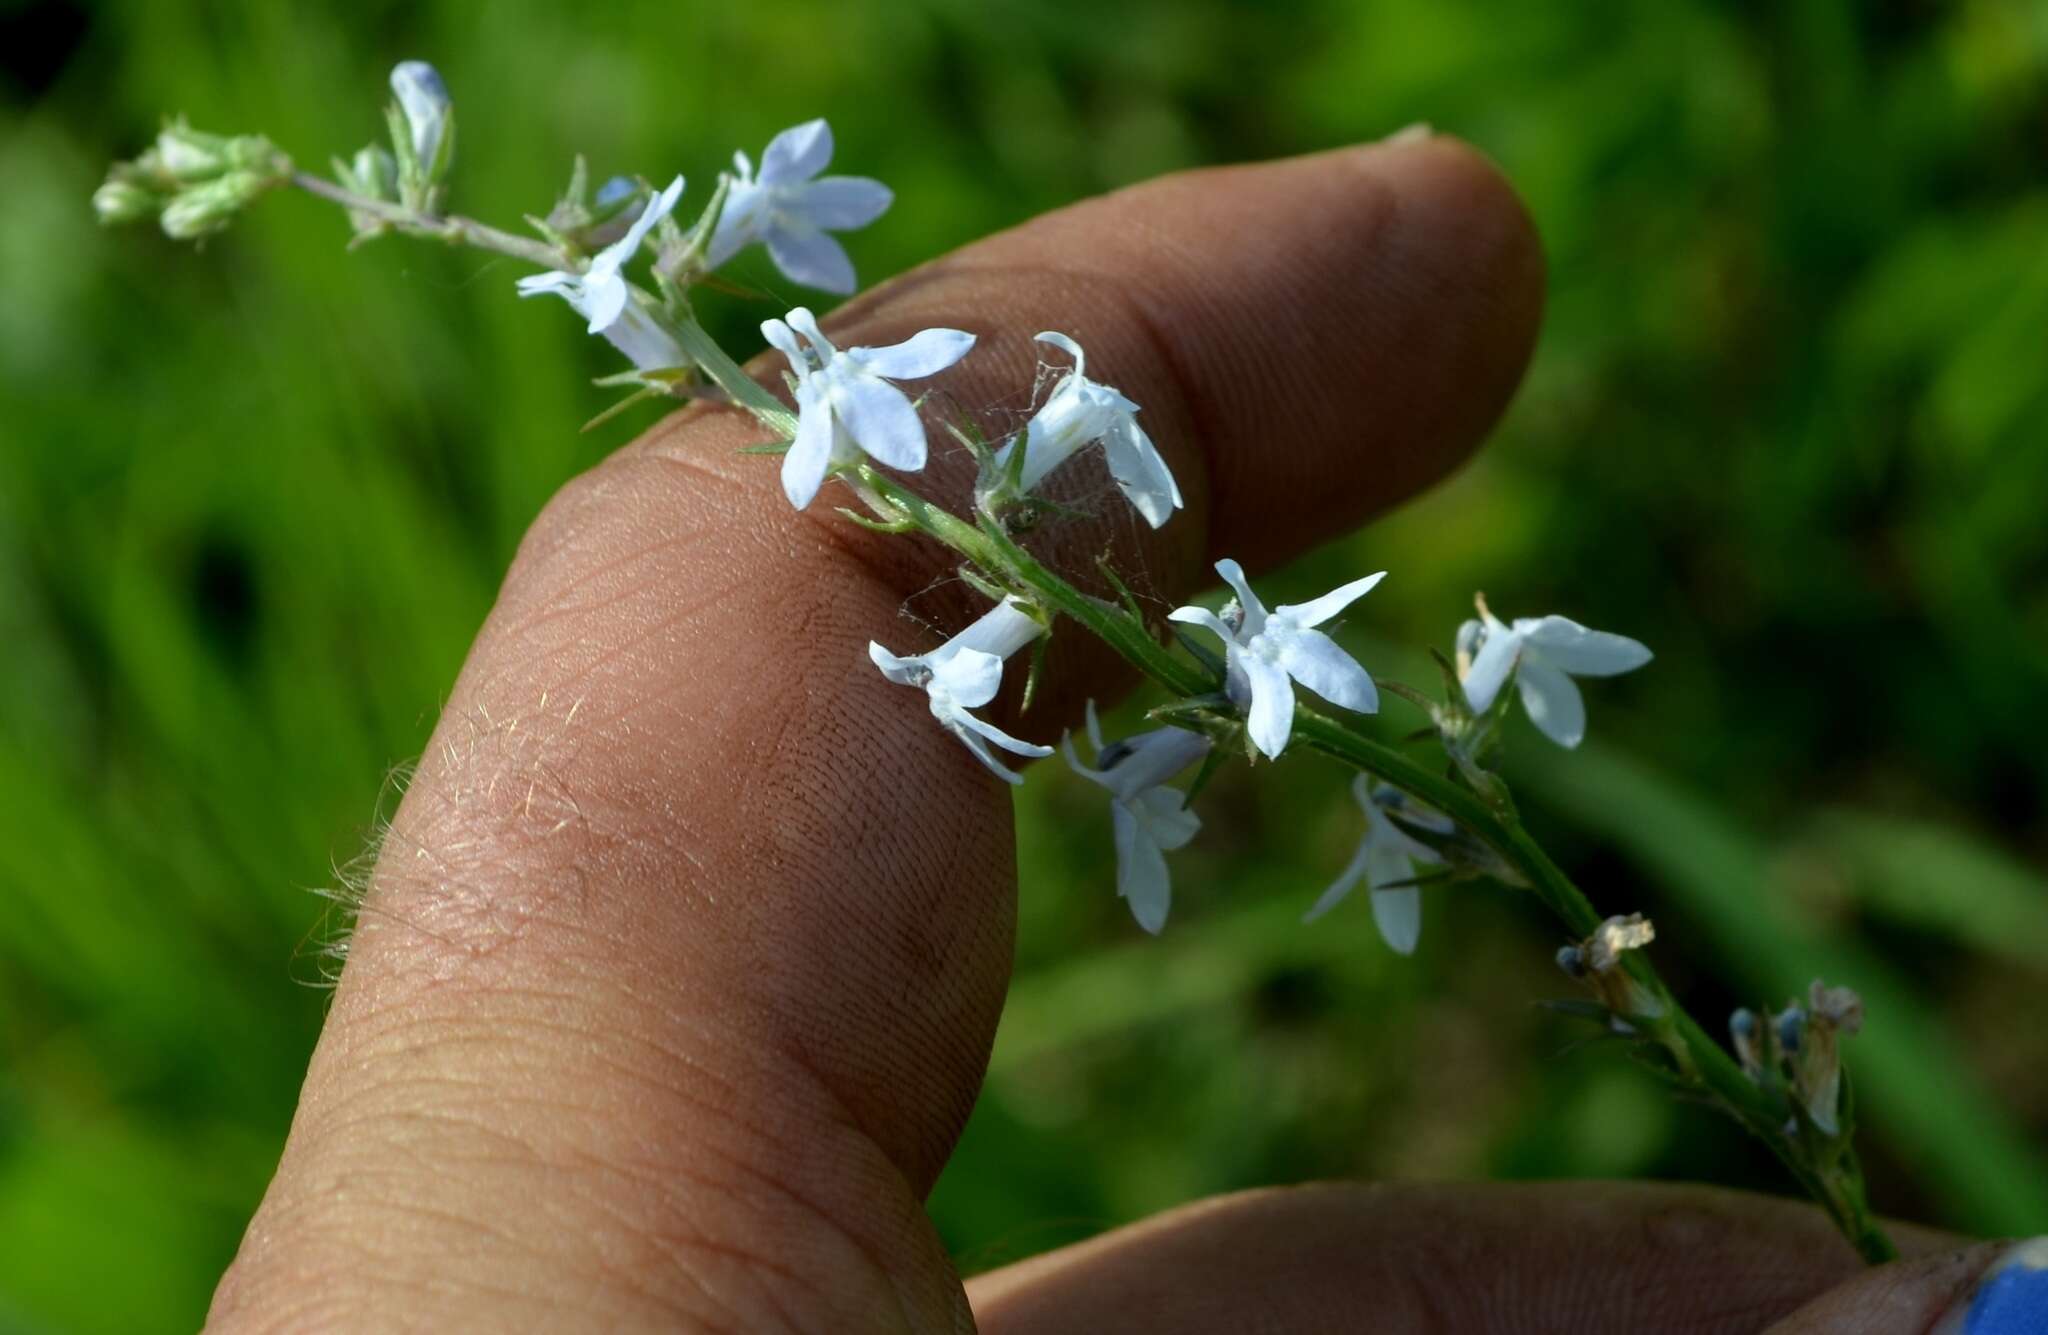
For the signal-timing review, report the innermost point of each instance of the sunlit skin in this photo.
(667, 1006)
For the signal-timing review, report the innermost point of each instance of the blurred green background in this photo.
(1786, 424)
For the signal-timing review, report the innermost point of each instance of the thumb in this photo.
(1990, 1288)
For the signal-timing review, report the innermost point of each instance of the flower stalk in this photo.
(1788, 1088)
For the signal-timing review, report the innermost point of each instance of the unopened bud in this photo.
(188, 155)
(120, 201)
(1572, 960)
(205, 209)
(424, 101)
(1791, 1024)
(1743, 1030)
(375, 172)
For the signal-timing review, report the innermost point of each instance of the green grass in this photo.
(1785, 425)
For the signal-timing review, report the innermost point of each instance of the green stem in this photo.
(729, 376)
(455, 230)
(1700, 1059)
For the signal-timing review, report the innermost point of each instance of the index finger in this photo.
(681, 965)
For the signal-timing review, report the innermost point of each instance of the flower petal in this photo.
(553, 281)
(739, 223)
(1342, 886)
(998, 736)
(1398, 915)
(1203, 617)
(979, 749)
(604, 299)
(643, 341)
(1313, 659)
(1152, 758)
(903, 671)
(1087, 772)
(1567, 645)
(808, 256)
(1553, 702)
(614, 257)
(1164, 814)
(1139, 471)
(1490, 668)
(1271, 719)
(1254, 610)
(797, 154)
(1318, 610)
(843, 202)
(880, 419)
(1002, 630)
(927, 352)
(783, 339)
(810, 453)
(1141, 875)
(969, 677)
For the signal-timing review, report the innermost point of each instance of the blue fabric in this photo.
(2012, 1302)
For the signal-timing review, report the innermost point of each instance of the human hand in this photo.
(683, 957)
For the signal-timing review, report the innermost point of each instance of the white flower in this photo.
(1544, 654)
(1150, 819)
(845, 403)
(1386, 856)
(786, 208)
(1080, 412)
(964, 674)
(1266, 649)
(424, 101)
(601, 294)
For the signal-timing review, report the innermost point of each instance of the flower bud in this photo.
(190, 156)
(1743, 1029)
(428, 110)
(205, 209)
(375, 172)
(123, 201)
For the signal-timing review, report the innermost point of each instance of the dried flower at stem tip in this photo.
(1598, 962)
(1149, 819)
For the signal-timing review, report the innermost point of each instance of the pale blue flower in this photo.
(845, 404)
(789, 209)
(1543, 654)
(602, 295)
(1079, 412)
(1269, 651)
(963, 674)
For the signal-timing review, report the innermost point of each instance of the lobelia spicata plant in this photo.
(1423, 823)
